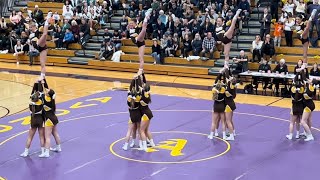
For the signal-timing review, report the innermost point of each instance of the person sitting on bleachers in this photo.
(3, 26)
(186, 47)
(68, 39)
(298, 69)
(159, 29)
(67, 13)
(116, 39)
(208, 46)
(281, 68)
(123, 23)
(206, 27)
(14, 19)
(268, 48)
(84, 32)
(169, 49)
(315, 70)
(242, 63)
(107, 49)
(170, 25)
(196, 45)
(245, 6)
(65, 26)
(58, 37)
(256, 48)
(264, 67)
(300, 7)
(18, 50)
(75, 29)
(155, 52)
(38, 15)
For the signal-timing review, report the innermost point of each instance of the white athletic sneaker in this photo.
(25, 153)
(289, 136)
(152, 144)
(297, 136)
(132, 143)
(210, 137)
(56, 149)
(125, 146)
(45, 154)
(309, 138)
(230, 138)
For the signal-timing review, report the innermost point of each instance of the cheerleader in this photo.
(146, 114)
(37, 119)
(302, 29)
(138, 39)
(226, 37)
(309, 106)
(297, 90)
(51, 120)
(41, 43)
(133, 102)
(230, 105)
(218, 96)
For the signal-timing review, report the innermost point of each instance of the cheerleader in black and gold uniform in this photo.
(37, 119)
(133, 102)
(302, 29)
(146, 114)
(138, 37)
(309, 106)
(51, 120)
(218, 96)
(226, 37)
(230, 105)
(297, 90)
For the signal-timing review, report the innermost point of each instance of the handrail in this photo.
(6, 6)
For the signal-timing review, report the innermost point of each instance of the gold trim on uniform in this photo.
(48, 123)
(307, 110)
(47, 98)
(228, 109)
(145, 118)
(228, 94)
(143, 103)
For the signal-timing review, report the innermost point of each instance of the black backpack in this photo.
(248, 89)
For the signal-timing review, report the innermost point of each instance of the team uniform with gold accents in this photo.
(37, 118)
(230, 95)
(297, 100)
(219, 100)
(144, 106)
(49, 108)
(309, 105)
(134, 111)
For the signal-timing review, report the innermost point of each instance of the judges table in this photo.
(272, 75)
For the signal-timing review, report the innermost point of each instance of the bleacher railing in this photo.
(6, 6)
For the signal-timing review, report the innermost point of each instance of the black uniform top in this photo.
(264, 67)
(306, 71)
(38, 106)
(219, 93)
(315, 72)
(145, 99)
(231, 90)
(49, 103)
(281, 69)
(136, 103)
(309, 92)
(297, 93)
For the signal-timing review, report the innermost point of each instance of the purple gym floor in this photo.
(92, 131)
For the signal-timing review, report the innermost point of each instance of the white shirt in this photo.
(68, 14)
(288, 25)
(256, 45)
(288, 8)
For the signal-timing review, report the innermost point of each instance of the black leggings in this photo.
(289, 39)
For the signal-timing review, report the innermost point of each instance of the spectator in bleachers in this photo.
(208, 45)
(288, 25)
(18, 50)
(134, 8)
(58, 37)
(196, 45)
(265, 24)
(33, 52)
(156, 52)
(170, 25)
(159, 29)
(116, 39)
(68, 39)
(268, 48)
(3, 26)
(107, 49)
(116, 5)
(155, 5)
(84, 32)
(225, 11)
(65, 5)
(315, 22)
(274, 9)
(75, 29)
(56, 17)
(288, 7)
(38, 15)
(163, 46)
(67, 13)
(207, 27)
(281, 68)
(186, 47)
(107, 34)
(200, 17)
(14, 19)
(163, 18)
(241, 63)
(65, 26)
(178, 27)
(245, 6)
(196, 28)
(123, 23)
(315, 70)
(300, 7)
(169, 49)
(256, 48)
(278, 29)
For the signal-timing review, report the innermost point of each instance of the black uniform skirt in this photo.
(37, 121)
(51, 119)
(308, 105)
(297, 108)
(219, 106)
(230, 102)
(145, 110)
(135, 115)
(138, 43)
